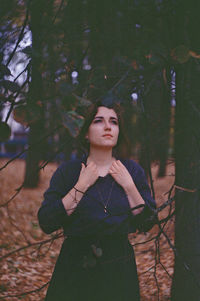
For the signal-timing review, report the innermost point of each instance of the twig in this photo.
(157, 255)
(14, 225)
(121, 79)
(13, 103)
(27, 66)
(164, 268)
(26, 293)
(60, 234)
(58, 11)
(20, 35)
(29, 147)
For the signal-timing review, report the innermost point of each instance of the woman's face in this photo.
(104, 130)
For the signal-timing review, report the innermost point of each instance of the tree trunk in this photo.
(37, 8)
(34, 155)
(186, 281)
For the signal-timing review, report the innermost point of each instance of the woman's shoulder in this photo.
(67, 171)
(132, 165)
(71, 167)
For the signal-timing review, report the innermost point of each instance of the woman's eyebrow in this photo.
(101, 117)
(98, 117)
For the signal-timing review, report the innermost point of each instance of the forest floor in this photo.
(30, 268)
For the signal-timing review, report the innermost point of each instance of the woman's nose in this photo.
(107, 125)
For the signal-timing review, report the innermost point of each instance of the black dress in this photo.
(96, 261)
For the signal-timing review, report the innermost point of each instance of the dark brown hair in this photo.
(122, 148)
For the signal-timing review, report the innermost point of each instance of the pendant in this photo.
(105, 209)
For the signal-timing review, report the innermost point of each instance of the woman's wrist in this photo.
(129, 187)
(73, 197)
(134, 197)
(81, 187)
(77, 190)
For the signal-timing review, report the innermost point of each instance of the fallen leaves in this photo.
(31, 268)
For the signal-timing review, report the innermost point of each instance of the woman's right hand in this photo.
(88, 176)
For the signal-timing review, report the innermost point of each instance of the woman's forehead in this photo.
(106, 112)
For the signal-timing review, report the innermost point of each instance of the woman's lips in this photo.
(108, 135)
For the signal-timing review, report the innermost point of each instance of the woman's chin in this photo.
(105, 146)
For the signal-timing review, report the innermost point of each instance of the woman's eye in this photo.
(114, 122)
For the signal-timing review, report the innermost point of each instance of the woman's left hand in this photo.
(120, 174)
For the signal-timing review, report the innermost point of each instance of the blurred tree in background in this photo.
(85, 49)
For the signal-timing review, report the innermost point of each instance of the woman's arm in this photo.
(148, 217)
(88, 176)
(138, 193)
(122, 176)
(52, 214)
(63, 196)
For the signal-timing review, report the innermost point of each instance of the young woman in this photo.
(97, 201)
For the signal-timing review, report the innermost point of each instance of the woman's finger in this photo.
(115, 165)
(112, 169)
(82, 167)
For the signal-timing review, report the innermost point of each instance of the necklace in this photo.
(105, 205)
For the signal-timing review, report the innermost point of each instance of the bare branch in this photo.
(26, 293)
(32, 245)
(20, 36)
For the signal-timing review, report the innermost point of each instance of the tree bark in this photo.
(186, 281)
(35, 96)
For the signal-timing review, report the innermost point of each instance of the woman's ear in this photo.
(87, 138)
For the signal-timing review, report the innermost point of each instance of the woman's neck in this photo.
(101, 157)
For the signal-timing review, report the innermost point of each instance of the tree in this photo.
(186, 283)
(35, 94)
